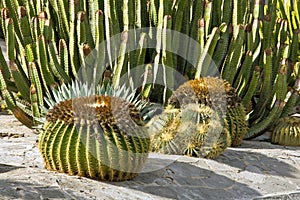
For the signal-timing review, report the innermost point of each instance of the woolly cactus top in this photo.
(204, 91)
(103, 108)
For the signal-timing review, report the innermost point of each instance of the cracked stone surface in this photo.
(255, 170)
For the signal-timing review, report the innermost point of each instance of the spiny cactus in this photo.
(92, 136)
(262, 59)
(255, 45)
(287, 131)
(220, 96)
(237, 123)
(194, 130)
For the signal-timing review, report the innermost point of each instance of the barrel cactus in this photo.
(100, 135)
(287, 131)
(212, 92)
(203, 117)
(194, 130)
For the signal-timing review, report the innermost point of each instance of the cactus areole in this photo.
(99, 136)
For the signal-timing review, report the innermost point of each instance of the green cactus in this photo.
(211, 92)
(194, 114)
(287, 132)
(195, 130)
(254, 44)
(91, 136)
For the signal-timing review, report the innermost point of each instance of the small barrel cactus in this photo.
(220, 96)
(287, 131)
(98, 136)
(194, 130)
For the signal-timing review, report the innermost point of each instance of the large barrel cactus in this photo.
(98, 136)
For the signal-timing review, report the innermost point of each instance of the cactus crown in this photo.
(77, 89)
(68, 98)
(200, 91)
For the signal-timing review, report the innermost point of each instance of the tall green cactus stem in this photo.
(10, 42)
(206, 56)
(287, 132)
(258, 128)
(292, 101)
(221, 48)
(252, 86)
(234, 55)
(91, 136)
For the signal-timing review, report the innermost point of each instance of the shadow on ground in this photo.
(266, 144)
(11, 189)
(186, 181)
(6, 168)
(257, 163)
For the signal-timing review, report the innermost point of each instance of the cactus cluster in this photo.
(287, 131)
(203, 117)
(253, 43)
(194, 130)
(219, 95)
(262, 61)
(92, 136)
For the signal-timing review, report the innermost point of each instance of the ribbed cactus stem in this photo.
(34, 102)
(35, 80)
(201, 34)
(257, 129)
(10, 41)
(245, 72)
(206, 56)
(207, 16)
(21, 82)
(287, 132)
(119, 66)
(252, 86)
(222, 46)
(4, 15)
(266, 91)
(94, 145)
(24, 25)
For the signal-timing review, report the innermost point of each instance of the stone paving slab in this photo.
(256, 170)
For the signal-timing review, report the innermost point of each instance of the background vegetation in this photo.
(255, 46)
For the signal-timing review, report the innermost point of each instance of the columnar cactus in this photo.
(99, 136)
